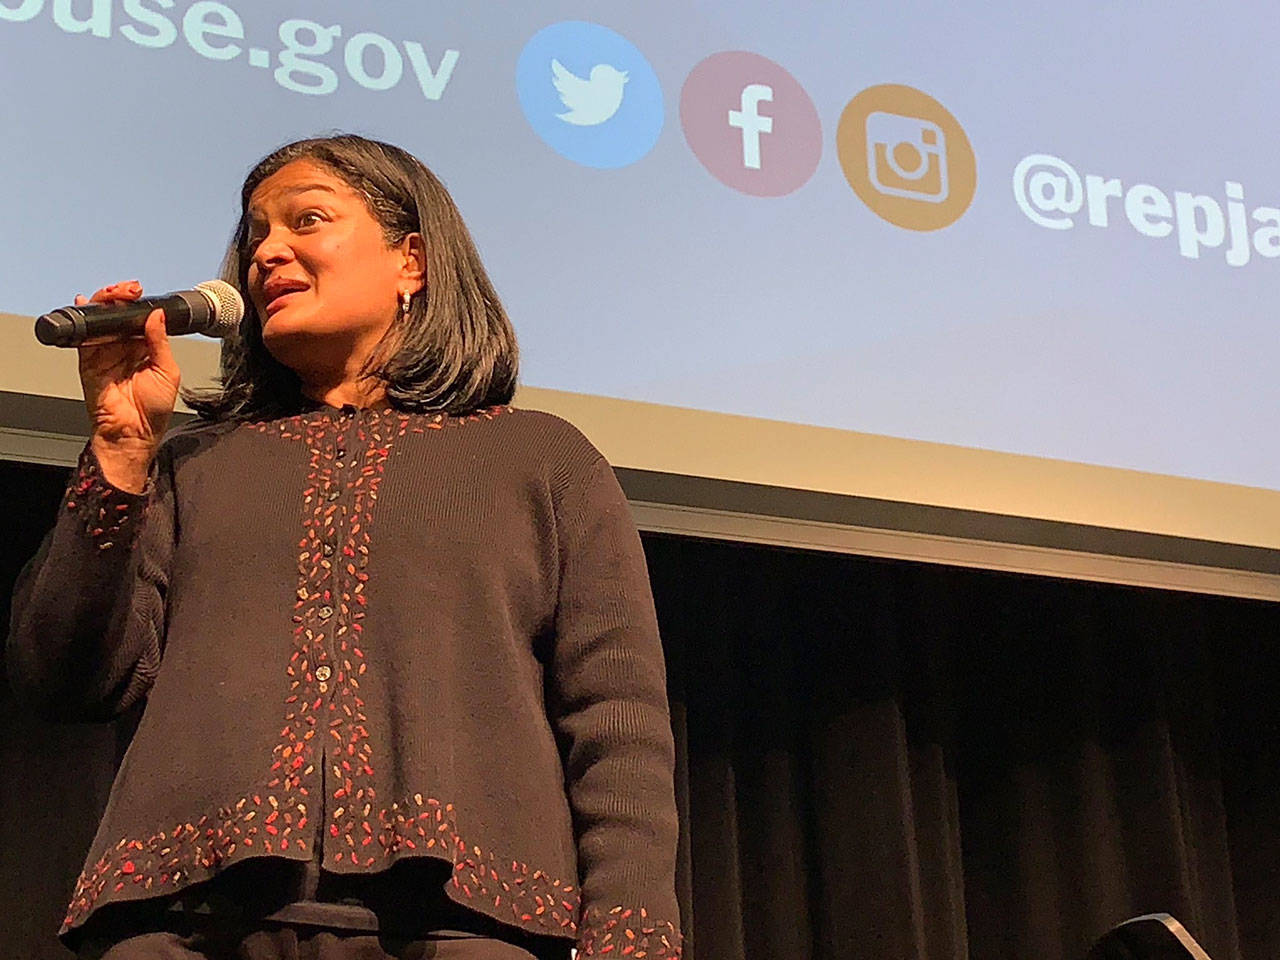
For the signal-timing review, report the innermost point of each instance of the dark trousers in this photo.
(234, 917)
(291, 943)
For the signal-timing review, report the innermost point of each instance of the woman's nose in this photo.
(272, 250)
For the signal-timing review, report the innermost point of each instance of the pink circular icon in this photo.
(751, 124)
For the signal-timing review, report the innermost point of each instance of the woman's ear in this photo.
(414, 269)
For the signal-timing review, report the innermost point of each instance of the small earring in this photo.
(405, 297)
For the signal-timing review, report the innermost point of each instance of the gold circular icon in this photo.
(906, 157)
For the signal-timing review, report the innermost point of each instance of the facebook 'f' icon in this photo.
(751, 123)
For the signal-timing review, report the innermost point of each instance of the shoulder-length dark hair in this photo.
(454, 352)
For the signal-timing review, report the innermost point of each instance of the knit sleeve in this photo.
(88, 609)
(608, 702)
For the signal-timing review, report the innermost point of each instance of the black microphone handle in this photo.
(187, 311)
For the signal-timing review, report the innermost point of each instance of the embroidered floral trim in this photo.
(534, 898)
(108, 513)
(627, 932)
(190, 852)
(421, 826)
(350, 752)
(294, 427)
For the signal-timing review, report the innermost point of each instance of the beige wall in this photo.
(695, 443)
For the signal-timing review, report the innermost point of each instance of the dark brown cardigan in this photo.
(393, 635)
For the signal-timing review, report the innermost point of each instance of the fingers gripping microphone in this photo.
(213, 308)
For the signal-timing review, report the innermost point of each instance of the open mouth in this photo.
(279, 293)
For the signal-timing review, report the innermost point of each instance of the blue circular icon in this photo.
(589, 94)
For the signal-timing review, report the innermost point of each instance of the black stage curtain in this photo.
(875, 759)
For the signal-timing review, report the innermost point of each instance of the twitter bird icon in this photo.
(590, 94)
(590, 101)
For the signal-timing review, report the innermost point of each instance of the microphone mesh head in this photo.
(228, 307)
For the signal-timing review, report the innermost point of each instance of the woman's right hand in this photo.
(130, 389)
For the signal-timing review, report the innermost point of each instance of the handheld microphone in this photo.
(213, 308)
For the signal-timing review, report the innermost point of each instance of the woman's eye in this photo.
(308, 218)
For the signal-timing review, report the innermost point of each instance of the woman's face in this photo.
(322, 278)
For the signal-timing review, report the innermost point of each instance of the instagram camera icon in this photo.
(907, 157)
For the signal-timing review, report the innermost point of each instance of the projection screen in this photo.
(983, 283)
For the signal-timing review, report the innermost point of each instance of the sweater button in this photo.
(325, 612)
(323, 672)
(327, 549)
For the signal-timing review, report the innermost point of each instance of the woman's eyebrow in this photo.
(256, 212)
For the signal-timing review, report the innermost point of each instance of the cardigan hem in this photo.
(165, 863)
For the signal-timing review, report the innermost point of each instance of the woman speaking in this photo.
(404, 690)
